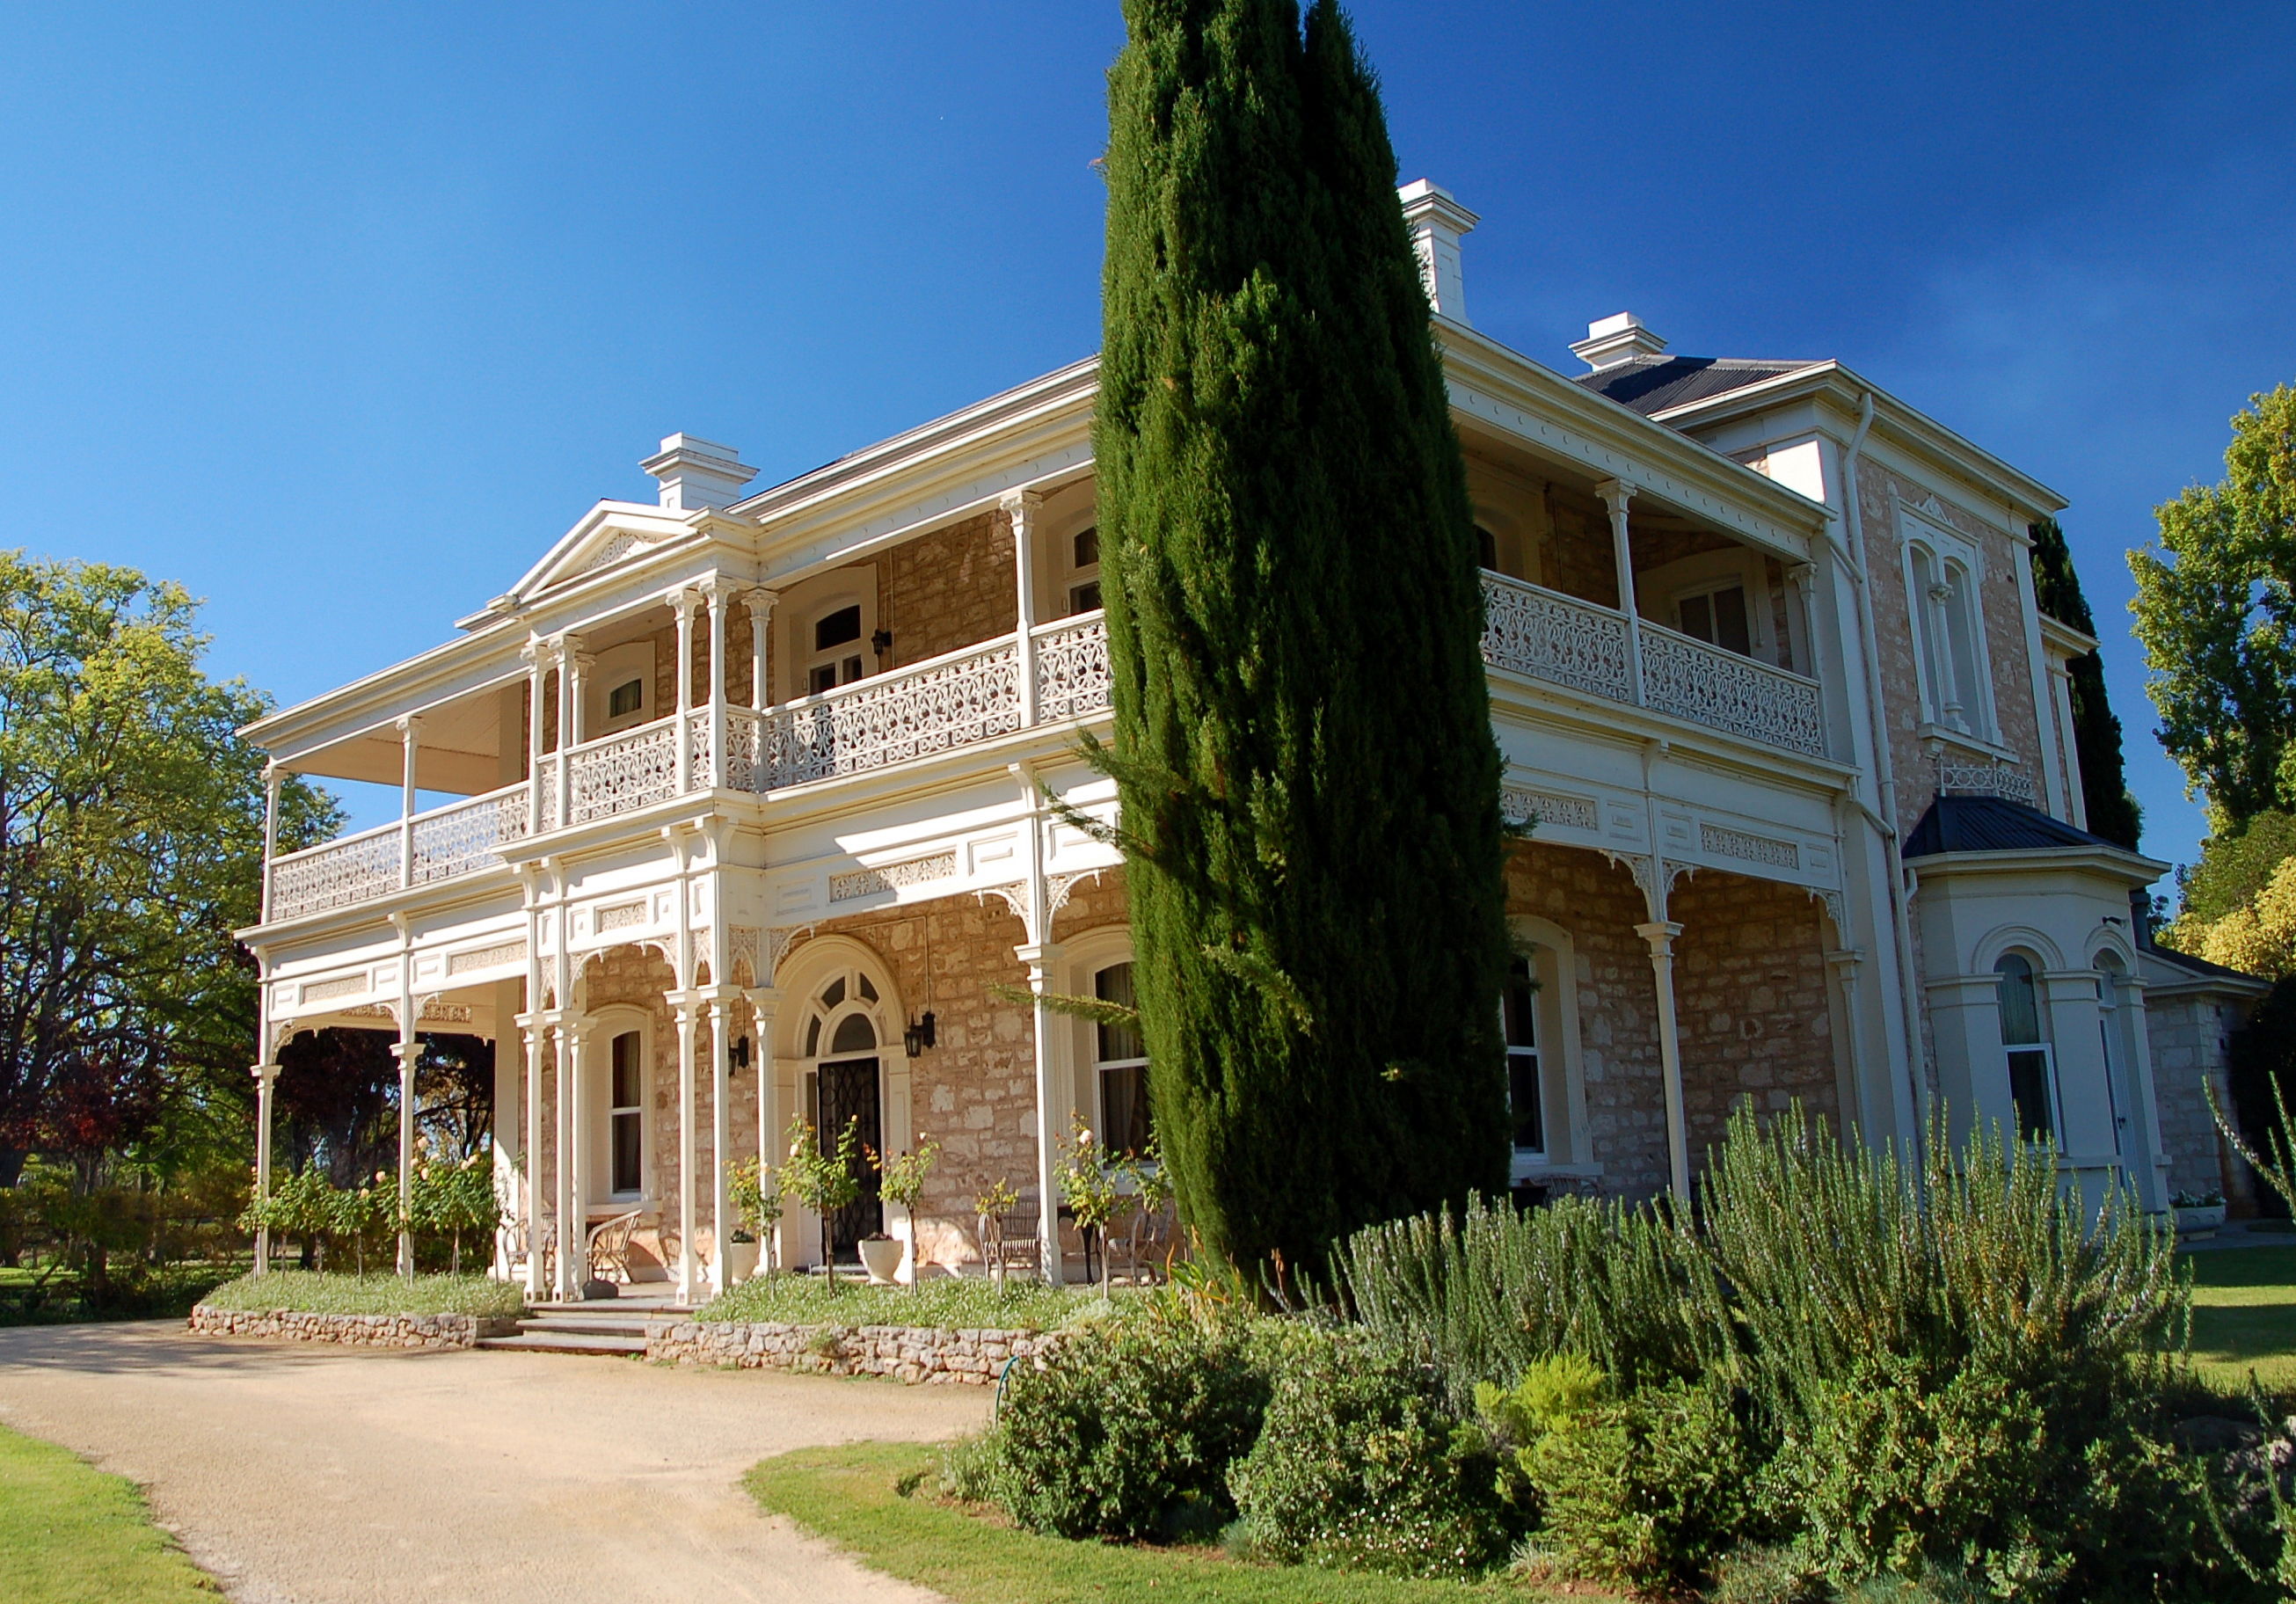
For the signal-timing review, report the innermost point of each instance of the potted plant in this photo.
(880, 1256)
(825, 1182)
(901, 1182)
(2198, 1214)
(989, 1209)
(756, 1193)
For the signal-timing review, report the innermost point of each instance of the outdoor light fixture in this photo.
(882, 641)
(739, 1053)
(919, 1035)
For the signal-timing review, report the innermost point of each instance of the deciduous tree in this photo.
(1303, 750)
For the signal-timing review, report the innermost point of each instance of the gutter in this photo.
(1884, 769)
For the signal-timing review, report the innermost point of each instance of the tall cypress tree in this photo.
(2112, 812)
(1303, 748)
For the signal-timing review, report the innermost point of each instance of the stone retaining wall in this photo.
(354, 1330)
(911, 1354)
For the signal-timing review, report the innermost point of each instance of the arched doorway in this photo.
(843, 1086)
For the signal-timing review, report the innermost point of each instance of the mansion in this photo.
(752, 816)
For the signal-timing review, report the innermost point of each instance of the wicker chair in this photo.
(1010, 1242)
(610, 1247)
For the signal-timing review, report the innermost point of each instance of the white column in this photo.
(682, 601)
(407, 1050)
(532, 1029)
(571, 659)
(1949, 671)
(538, 667)
(566, 1277)
(1616, 495)
(719, 594)
(1041, 957)
(1661, 935)
(409, 739)
(1020, 509)
(265, 1075)
(761, 610)
(271, 774)
(721, 1136)
(688, 1271)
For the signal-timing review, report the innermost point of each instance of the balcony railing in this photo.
(974, 695)
(1537, 631)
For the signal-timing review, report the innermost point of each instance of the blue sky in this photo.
(342, 315)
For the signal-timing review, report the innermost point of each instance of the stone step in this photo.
(568, 1342)
(596, 1325)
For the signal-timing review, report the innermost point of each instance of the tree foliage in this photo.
(131, 839)
(2215, 612)
(2112, 811)
(1303, 752)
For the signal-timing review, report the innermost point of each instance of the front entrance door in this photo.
(849, 1091)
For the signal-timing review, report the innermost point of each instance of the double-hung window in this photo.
(1526, 1088)
(626, 1117)
(1121, 1065)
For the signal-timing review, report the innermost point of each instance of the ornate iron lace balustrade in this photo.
(1726, 691)
(458, 839)
(353, 870)
(745, 736)
(1559, 638)
(622, 772)
(1073, 668)
(952, 701)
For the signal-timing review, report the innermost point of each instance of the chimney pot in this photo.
(697, 473)
(1616, 339)
(1436, 223)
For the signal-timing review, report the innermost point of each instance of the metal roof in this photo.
(1650, 385)
(1992, 824)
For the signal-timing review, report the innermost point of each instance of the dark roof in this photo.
(2201, 966)
(1651, 384)
(1992, 824)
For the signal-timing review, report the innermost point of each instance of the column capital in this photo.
(264, 1072)
(681, 600)
(1846, 959)
(1040, 956)
(718, 588)
(760, 598)
(541, 651)
(1013, 503)
(407, 724)
(1661, 934)
(400, 1050)
(1616, 493)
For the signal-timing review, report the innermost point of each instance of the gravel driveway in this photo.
(302, 1473)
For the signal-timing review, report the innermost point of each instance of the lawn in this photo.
(2244, 1316)
(310, 1292)
(875, 1500)
(71, 1534)
(950, 1303)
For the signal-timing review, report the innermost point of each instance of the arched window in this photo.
(1487, 548)
(625, 1115)
(1121, 1068)
(1948, 633)
(1526, 1087)
(834, 658)
(1083, 576)
(2025, 1046)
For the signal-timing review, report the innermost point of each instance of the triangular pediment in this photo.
(611, 535)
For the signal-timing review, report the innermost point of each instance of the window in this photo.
(1718, 617)
(1947, 624)
(626, 699)
(1487, 548)
(2026, 1048)
(1120, 1063)
(1084, 571)
(1526, 1089)
(836, 657)
(618, 692)
(626, 1117)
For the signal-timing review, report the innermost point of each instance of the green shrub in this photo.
(1362, 1462)
(1767, 1573)
(947, 1303)
(1651, 1492)
(1127, 1431)
(1497, 1288)
(310, 1292)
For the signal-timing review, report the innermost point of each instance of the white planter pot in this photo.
(883, 1259)
(740, 1262)
(2190, 1221)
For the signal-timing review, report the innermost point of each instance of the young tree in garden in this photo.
(2112, 812)
(2215, 612)
(131, 837)
(1303, 750)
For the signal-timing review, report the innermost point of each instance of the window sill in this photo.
(1535, 1170)
(1952, 736)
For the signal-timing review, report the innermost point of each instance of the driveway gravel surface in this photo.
(301, 1474)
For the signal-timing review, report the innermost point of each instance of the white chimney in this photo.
(1437, 222)
(697, 473)
(1616, 339)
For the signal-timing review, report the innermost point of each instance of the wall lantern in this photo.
(739, 1054)
(919, 1035)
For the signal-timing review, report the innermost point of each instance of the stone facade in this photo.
(353, 1331)
(1752, 1002)
(951, 588)
(2189, 1033)
(910, 1354)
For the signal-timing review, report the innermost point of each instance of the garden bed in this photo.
(362, 1311)
(948, 1303)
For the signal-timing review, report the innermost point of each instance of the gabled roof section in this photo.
(609, 535)
(1993, 824)
(1650, 385)
(2202, 970)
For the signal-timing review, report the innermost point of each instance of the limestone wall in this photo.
(353, 1331)
(910, 1354)
(2188, 1035)
(952, 587)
